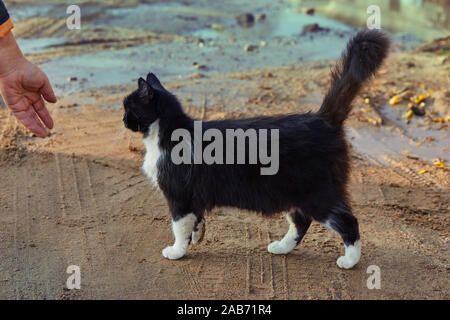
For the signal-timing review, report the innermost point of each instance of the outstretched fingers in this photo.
(27, 115)
(41, 110)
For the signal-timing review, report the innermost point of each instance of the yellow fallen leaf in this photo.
(422, 171)
(439, 163)
(419, 144)
(418, 99)
(372, 121)
(408, 115)
(367, 100)
(370, 171)
(367, 109)
(394, 100)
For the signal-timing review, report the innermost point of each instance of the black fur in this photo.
(314, 157)
(364, 54)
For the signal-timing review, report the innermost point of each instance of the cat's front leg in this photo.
(182, 227)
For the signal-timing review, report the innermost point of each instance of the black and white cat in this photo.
(314, 160)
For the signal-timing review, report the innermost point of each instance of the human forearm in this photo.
(5, 21)
(10, 54)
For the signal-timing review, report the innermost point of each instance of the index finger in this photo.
(43, 113)
(47, 91)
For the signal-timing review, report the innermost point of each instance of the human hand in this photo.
(24, 87)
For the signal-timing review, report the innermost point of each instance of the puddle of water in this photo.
(182, 19)
(283, 24)
(400, 139)
(414, 128)
(176, 59)
(22, 12)
(195, 21)
(34, 45)
(426, 19)
(289, 23)
(109, 68)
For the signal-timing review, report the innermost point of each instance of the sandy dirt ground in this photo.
(80, 198)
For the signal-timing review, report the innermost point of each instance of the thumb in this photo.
(47, 91)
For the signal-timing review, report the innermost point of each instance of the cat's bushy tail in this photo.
(363, 56)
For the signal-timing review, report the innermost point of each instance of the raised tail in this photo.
(363, 56)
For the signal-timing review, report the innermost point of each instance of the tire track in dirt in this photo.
(60, 185)
(277, 266)
(260, 265)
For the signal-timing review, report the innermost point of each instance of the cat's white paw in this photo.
(352, 256)
(173, 253)
(197, 236)
(345, 263)
(278, 247)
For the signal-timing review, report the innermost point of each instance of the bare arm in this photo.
(24, 87)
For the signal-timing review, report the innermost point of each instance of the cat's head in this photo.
(146, 104)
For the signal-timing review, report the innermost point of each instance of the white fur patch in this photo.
(182, 230)
(352, 256)
(288, 243)
(153, 152)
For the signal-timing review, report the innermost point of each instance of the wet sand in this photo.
(79, 197)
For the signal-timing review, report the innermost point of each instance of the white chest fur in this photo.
(152, 154)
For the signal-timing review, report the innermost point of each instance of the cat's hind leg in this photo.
(199, 231)
(182, 227)
(343, 222)
(298, 226)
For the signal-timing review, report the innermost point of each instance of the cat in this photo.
(314, 161)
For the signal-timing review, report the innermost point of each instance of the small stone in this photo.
(418, 111)
(250, 47)
(310, 11)
(262, 17)
(314, 27)
(246, 20)
(218, 27)
(72, 79)
(201, 67)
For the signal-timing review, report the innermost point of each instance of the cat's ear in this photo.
(154, 81)
(145, 90)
